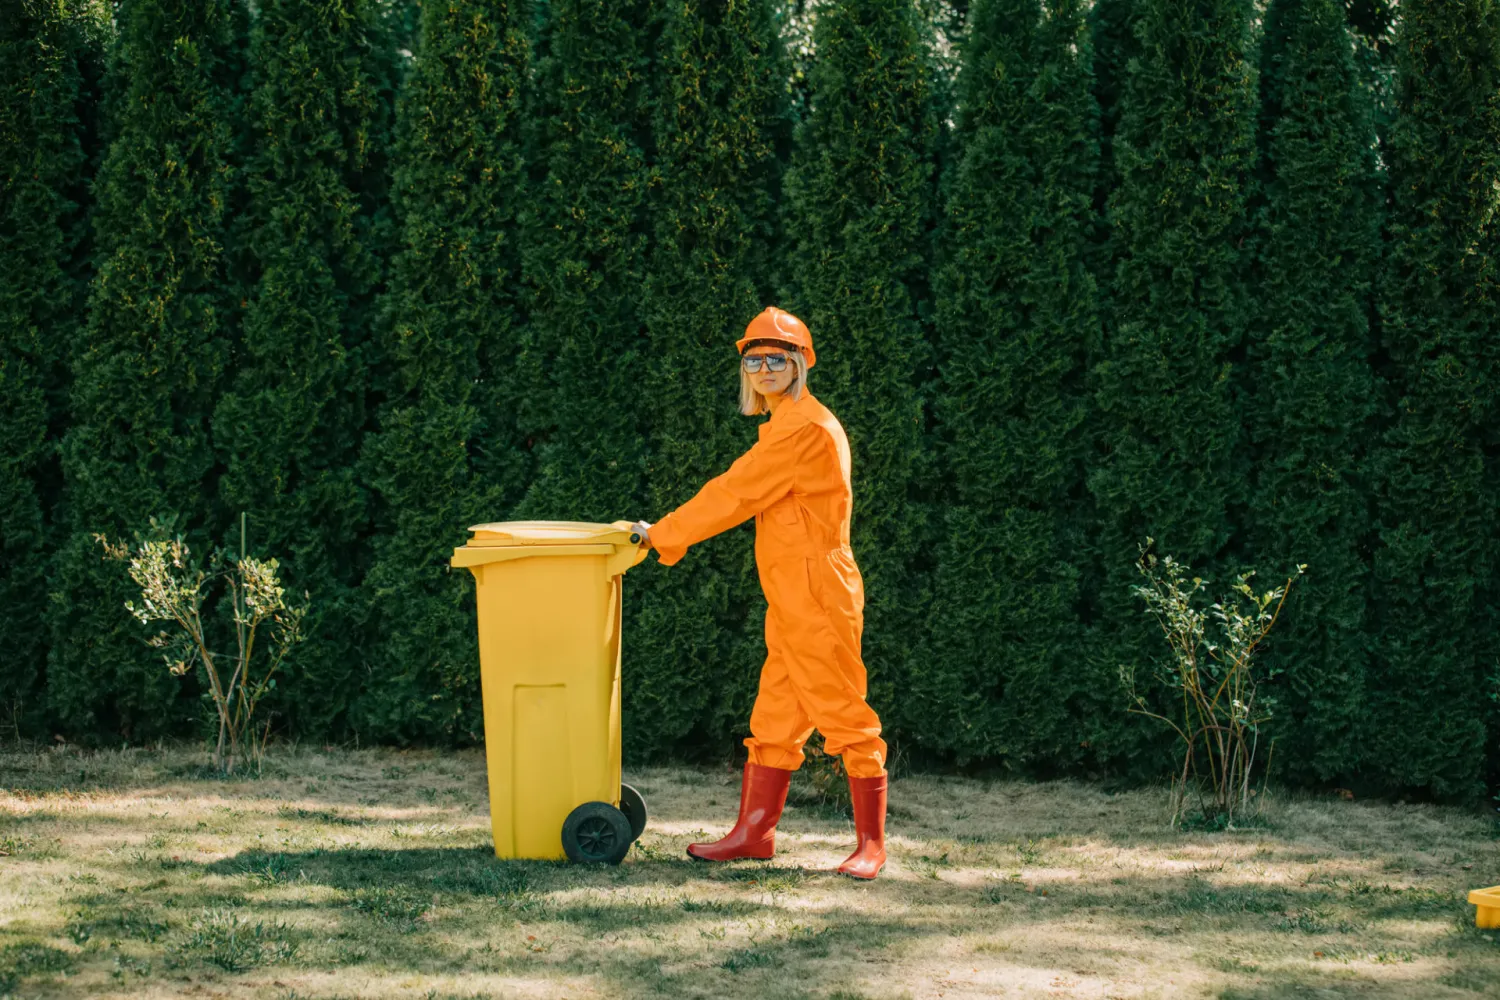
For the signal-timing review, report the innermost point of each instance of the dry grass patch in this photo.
(370, 874)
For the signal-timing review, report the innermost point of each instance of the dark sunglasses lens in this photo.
(775, 362)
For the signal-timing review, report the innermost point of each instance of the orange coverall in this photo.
(795, 482)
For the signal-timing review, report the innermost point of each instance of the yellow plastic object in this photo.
(549, 664)
(1488, 901)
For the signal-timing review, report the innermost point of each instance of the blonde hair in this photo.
(753, 403)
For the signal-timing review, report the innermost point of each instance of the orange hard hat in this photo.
(777, 324)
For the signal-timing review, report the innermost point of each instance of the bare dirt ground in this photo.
(370, 874)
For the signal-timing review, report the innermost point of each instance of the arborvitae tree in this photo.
(1113, 44)
(1372, 20)
(860, 208)
(447, 453)
(288, 428)
(695, 643)
(583, 389)
(41, 162)
(1372, 26)
(1171, 465)
(1440, 305)
(1310, 389)
(146, 372)
(588, 374)
(1016, 307)
(391, 32)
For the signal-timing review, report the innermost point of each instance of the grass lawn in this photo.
(370, 874)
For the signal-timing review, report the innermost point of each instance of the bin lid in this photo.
(549, 533)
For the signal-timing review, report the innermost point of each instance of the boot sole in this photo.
(861, 878)
(738, 857)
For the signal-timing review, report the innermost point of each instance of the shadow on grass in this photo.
(460, 910)
(352, 779)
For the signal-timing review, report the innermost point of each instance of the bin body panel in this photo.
(1487, 901)
(549, 651)
(541, 771)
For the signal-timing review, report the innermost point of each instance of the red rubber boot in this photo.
(868, 796)
(762, 797)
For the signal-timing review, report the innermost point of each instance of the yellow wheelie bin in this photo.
(549, 664)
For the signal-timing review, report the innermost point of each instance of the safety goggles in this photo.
(773, 362)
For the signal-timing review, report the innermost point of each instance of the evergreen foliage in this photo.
(1220, 272)
(1434, 572)
(288, 427)
(718, 126)
(1372, 20)
(1171, 464)
(1017, 310)
(586, 365)
(1309, 390)
(41, 161)
(146, 373)
(1112, 43)
(447, 453)
(1372, 27)
(861, 206)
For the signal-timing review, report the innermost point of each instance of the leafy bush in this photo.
(1213, 680)
(174, 588)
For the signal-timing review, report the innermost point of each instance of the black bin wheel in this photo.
(634, 808)
(596, 832)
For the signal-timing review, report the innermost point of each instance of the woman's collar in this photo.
(790, 403)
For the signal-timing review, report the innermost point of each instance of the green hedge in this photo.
(290, 422)
(42, 160)
(1310, 395)
(446, 453)
(717, 127)
(371, 271)
(1170, 459)
(147, 370)
(1432, 667)
(861, 206)
(1017, 319)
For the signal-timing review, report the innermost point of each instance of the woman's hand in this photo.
(644, 530)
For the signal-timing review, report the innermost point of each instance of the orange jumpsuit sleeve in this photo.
(755, 481)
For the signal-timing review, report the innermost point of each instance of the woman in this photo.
(795, 482)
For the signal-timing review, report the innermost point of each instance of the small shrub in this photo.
(174, 589)
(1212, 680)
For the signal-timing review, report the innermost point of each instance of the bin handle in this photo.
(464, 556)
